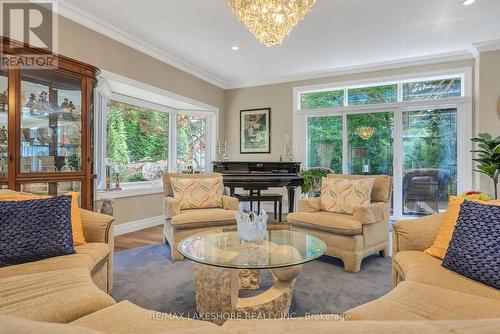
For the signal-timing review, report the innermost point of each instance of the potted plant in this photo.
(488, 157)
(312, 180)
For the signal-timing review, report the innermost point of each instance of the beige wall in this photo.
(487, 101)
(129, 209)
(86, 45)
(280, 98)
(81, 43)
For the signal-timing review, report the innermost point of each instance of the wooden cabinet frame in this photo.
(87, 75)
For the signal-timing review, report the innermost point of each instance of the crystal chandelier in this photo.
(365, 132)
(271, 20)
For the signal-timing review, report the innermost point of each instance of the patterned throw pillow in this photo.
(76, 217)
(474, 249)
(342, 195)
(443, 237)
(202, 193)
(35, 229)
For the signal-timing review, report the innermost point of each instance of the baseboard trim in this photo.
(137, 225)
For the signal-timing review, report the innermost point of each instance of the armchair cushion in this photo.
(171, 208)
(204, 217)
(375, 212)
(97, 227)
(416, 266)
(87, 256)
(342, 195)
(200, 193)
(415, 234)
(417, 301)
(327, 221)
(230, 203)
(55, 296)
(309, 205)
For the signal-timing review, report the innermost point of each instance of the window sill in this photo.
(130, 191)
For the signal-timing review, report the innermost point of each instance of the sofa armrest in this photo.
(230, 203)
(97, 227)
(171, 207)
(415, 234)
(309, 205)
(373, 213)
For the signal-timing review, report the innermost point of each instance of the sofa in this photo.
(349, 237)
(426, 299)
(180, 224)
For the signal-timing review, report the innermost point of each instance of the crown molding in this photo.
(357, 69)
(487, 46)
(91, 22)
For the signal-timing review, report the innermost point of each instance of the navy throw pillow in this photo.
(474, 250)
(35, 229)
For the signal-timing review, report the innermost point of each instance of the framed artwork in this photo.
(255, 131)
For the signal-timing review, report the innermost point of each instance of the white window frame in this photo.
(129, 189)
(463, 105)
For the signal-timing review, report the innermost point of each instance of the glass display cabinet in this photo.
(46, 129)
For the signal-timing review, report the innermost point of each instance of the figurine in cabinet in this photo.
(72, 108)
(3, 135)
(65, 106)
(43, 101)
(32, 104)
(3, 100)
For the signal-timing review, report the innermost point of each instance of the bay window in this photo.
(144, 132)
(414, 129)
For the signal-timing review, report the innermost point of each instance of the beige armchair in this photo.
(349, 237)
(180, 224)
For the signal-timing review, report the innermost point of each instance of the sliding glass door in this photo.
(417, 147)
(429, 173)
(325, 142)
(370, 143)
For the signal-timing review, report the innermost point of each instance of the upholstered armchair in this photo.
(349, 237)
(180, 224)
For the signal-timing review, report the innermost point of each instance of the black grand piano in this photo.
(256, 176)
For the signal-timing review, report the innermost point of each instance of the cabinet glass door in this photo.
(51, 122)
(51, 188)
(4, 106)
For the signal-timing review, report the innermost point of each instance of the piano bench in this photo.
(277, 200)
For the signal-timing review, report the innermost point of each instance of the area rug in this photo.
(147, 277)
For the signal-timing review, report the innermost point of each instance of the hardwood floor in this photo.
(149, 236)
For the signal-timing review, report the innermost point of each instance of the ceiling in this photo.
(338, 35)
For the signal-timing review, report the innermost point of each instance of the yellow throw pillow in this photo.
(342, 195)
(76, 218)
(202, 193)
(445, 232)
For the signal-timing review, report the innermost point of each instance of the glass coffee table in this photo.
(224, 264)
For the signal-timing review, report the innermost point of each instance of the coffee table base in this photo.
(217, 293)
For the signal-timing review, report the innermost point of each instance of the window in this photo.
(429, 160)
(373, 95)
(137, 142)
(191, 144)
(144, 132)
(370, 143)
(325, 142)
(411, 129)
(318, 100)
(432, 90)
(401, 91)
